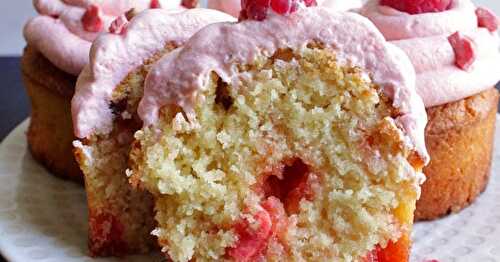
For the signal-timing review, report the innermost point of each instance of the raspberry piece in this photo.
(393, 252)
(464, 49)
(302, 190)
(289, 184)
(189, 3)
(254, 9)
(310, 3)
(418, 6)
(107, 233)
(486, 18)
(257, 9)
(92, 19)
(278, 215)
(283, 7)
(119, 25)
(252, 238)
(372, 256)
(155, 4)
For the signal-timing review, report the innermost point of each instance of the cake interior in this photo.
(120, 217)
(302, 159)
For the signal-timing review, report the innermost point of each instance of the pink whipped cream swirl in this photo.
(424, 38)
(114, 56)
(177, 78)
(58, 32)
(233, 7)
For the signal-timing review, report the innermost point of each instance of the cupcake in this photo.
(105, 119)
(296, 137)
(233, 7)
(453, 46)
(58, 44)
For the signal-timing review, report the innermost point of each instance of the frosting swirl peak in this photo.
(58, 32)
(424, 38)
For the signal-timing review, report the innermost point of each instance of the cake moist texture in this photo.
(281, 148)
(104, 113)
(302, 161)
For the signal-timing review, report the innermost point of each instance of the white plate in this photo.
(43, 218)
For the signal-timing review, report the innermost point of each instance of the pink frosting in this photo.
(233, 7)
(341, 5)
(113, 56)
(176, 78)
(424, 37)
(58, 32)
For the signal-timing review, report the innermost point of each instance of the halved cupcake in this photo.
(454, 47)
(294, 138)
(105, 119)
(58, 44)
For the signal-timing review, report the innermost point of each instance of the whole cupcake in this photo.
(233, 7)
(454, 48)
(58, 44)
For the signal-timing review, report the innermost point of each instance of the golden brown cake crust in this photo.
(459, 138)
(50, 133)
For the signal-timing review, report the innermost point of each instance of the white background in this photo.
(14, 13)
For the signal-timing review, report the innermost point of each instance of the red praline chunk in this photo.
(92, 19)
(418, 6)
(258, 9)
(252, 240)
(486, 19)
(189, 3)
(464, 49)
(155, 4)
(119, 25)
